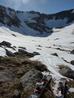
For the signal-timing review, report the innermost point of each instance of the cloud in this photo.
(23, 4)
(45, 6)
(18, 3)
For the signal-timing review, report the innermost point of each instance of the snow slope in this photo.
(34, 23)
(61, 38)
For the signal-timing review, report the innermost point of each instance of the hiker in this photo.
(44, 80)
(59, 94)
(66, 90)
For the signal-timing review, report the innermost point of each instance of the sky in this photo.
(43, 6)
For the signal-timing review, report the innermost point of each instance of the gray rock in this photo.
(6, 76)
(66, 71)
(30, 77)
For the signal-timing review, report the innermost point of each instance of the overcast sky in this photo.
(44, 6)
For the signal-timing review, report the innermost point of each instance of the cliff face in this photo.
(34, 23)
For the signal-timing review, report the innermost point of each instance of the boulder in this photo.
(24, 53)
(36, 53)
(7, 44)
(55, 54)
(30, 78)
(9, 53)
(72, 62)
(72, 52)
(66, 71)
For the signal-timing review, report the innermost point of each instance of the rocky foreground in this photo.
(18, 75)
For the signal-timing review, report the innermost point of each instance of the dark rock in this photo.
(36, 53)
(66, 71)
(55, 54)
(72, 62)
(39, 46)
(23, 48)
(23, 52)
(16, 94)
(14, 35)
(72, 52)
(70, 74)
(41, 67)
(9, 53)
(7, 44)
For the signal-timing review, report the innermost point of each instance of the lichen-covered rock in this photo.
(30, 78)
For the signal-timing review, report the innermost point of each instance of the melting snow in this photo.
(48, 46)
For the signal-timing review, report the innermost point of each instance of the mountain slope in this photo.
(50, 36)
(34, 23)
